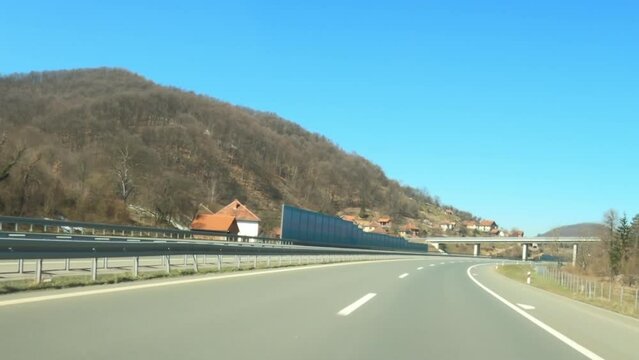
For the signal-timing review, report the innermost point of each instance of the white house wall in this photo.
(248, 228)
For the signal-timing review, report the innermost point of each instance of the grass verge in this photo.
(70, 281)
(519, 273)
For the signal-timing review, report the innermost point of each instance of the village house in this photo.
(215, 223)
(487, 226)
(497, 232)
(470, 224)
(247, 221)
(349, 218)
(384, 221)
(409, 230)
(517, 233)
(446, 226)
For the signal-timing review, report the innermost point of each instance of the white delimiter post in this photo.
(476, 249)
(574, 254)
(524, 252)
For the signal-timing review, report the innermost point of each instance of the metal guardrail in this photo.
(29, 238)
(23, 224)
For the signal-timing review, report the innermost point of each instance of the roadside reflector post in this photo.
(185, 259)
(20, 266)
(255, 262)
(106, 263)
(195, 267)
(268, 261)
(136, 266)
(67, 264)
(528, 278)
(219, 263)
(38, 272)
(94, 269)
(167, 264)
(574, 255)
(238, 260)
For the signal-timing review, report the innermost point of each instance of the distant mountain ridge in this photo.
(582, 229)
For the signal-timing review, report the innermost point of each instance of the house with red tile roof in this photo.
(487, 226)
(384, 221)
(215, 223)
(349, 218)
(247, 221)
(470, 224)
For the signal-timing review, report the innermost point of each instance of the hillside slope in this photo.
(84, 144)
(584, 229)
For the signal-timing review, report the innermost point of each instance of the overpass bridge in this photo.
(525, 242)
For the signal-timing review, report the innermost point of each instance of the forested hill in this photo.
(585, 229)
(92, 144)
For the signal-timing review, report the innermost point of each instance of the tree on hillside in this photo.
(623, 234)
(8, 164)
(634, 230)
(122, 169)
(611, 219)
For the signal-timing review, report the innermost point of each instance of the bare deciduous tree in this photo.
(122, 170)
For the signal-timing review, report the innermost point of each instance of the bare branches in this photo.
(6, 168)
(122, 169)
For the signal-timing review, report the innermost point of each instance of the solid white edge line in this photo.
(403, 275)
(563, 338)
(354, 306)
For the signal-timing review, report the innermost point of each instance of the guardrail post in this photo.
(136, 266)
(67, 264)
(38, 271)
(195, 263)
(167, 263)
(219, 263)
(94, 269)
(20, 266)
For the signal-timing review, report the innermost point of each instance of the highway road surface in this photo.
(413, 308)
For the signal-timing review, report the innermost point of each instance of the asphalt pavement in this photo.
(414, 308)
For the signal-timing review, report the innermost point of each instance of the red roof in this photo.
(350, 218)
(239, 211)
(487, 223)
(215, 222)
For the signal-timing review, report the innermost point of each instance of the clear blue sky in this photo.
(526, 112)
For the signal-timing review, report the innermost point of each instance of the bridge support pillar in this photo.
(476, 249)
(574, 254)
(524, 252)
